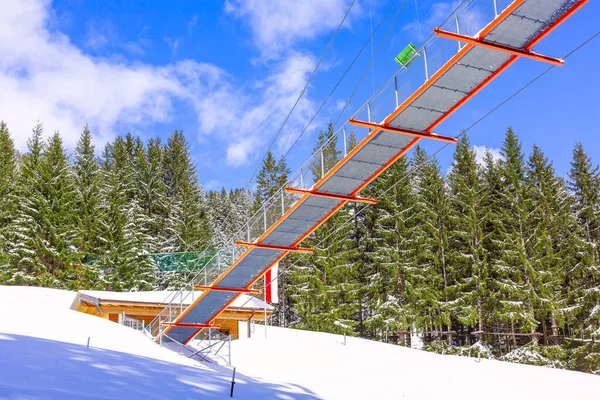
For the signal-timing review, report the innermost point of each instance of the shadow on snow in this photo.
(35, 368)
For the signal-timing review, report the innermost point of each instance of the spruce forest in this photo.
(499, 258)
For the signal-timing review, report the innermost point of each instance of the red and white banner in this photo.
(271, 284)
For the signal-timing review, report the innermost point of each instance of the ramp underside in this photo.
(519, 26)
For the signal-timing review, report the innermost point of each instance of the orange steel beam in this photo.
(222, 289)
(274, 247)
(559, 62)
(464, 50)
(387, 128)
(354, 199)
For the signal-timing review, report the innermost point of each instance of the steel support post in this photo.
(322, 164)
(396, 89)
(425, 62)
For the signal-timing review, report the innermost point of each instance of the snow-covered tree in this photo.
(124, 256)
(88, 197)
(428, 276)
(513, 269)
(8, 175)
(584, 280)
(187, 225)
(468, 290)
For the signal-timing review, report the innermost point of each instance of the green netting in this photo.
(167, 262)
(187, 261)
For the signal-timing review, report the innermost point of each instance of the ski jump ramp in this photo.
(480, 40)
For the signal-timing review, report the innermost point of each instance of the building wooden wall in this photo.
(227, 321)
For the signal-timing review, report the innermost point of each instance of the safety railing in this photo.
(130, 322)
(469, 18)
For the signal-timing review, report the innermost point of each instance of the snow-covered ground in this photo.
(363, 369)
(43, 354)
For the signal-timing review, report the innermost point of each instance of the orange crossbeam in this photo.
(355, 199)
(387, 128)
(273, 247)
(559, 62)
(222, 289)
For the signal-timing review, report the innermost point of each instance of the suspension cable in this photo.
(303, 92)
(346, 72)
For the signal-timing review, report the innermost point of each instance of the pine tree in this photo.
(399, 232)
(45, 225)
(326, 152)
(151, 193)
(188, 223)
(220, 217)
(429, 275)
(551, 222)
(126, 259)
(468, 289)
(271, 177)
(88, 183)
(513, 271)
(241, 203)
(584, 280)
(27, 267)
(8, 175)
(59, 233)
(380, 265)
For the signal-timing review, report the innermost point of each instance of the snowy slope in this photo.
(364, 369)
(43, 355)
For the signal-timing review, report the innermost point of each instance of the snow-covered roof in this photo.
(163, 297)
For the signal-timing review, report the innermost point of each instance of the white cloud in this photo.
(277, 24)
(248, 122)
(437, 13)
(340, 104)
(212, 185)
(192, 24)
(471, 19)
(173, 43)
(44, 77)
(481, 150)
(480, 155)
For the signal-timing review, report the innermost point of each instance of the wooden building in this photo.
(145, 306)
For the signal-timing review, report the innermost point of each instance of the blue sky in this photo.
(228, 72)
